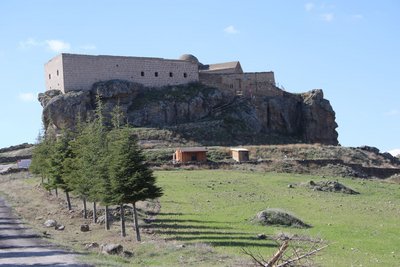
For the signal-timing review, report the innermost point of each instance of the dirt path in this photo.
(20, 246)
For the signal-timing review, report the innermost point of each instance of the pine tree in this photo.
(40, 161)
(131, 179)
(74, 174)
(59, 152)
(90, 166)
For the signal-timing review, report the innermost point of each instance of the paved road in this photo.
(20, 246)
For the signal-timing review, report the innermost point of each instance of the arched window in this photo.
(142, 73)
(184, 75)
(171, 74)
(156, 74)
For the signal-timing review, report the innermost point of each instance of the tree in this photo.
(59, 152)
(40, 160)
(89, 168)
(130, 177)
(74, 174)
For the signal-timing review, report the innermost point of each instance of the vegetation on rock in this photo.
(96, 163)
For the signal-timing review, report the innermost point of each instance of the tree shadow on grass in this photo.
(226, 240)
(159, 226)
(241, 244)
(199, 233)
(187, 221)
(167, 213)
(203, 231)
(13, 228)
(10, 223)
(7, 237)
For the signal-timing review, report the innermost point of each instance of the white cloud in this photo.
(231, 30)
(309, 6)
(58, 45)
(328, 17)
(28, 43)
(53, 45)
(395, 152)
(27, 97)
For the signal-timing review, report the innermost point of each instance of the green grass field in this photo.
(210, 211)
(216, 207)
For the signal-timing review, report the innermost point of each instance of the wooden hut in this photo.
(189, 154)
(240, 154)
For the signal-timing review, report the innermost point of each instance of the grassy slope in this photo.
(215, 207)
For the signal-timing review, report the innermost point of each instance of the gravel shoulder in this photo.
(20, 246)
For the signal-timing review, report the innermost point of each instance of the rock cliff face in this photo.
(206, 115)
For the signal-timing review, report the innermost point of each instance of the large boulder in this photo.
(280, 218)
(318, 119)
(209, 116)
(330, 186)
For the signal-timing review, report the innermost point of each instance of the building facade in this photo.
(69, 72)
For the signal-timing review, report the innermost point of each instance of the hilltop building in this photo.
(69, 72)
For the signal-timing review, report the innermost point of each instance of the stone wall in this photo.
(68, 72)
(54, 74)
(247, 84)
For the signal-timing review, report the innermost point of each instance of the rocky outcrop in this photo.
(200, 113)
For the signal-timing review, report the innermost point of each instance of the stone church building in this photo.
(69, 72)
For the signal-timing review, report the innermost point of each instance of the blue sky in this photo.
(350, 49)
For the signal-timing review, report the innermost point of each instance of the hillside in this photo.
(202, 114)
(323, 160)
(205, 219)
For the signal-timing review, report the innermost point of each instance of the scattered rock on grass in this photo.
(330, 186)
(111, 249)
(60, 227)
(91, 245)
(279, 217)
(84, 228)
(50, 223)
(127, 254)
(261, 236)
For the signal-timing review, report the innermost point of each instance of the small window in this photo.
(117, 65)
(49, 76)
(171, 74)
(58, 73)
(156, 74)
(142, 73)
(184, 75)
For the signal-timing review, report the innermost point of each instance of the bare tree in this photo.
(293, 251)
